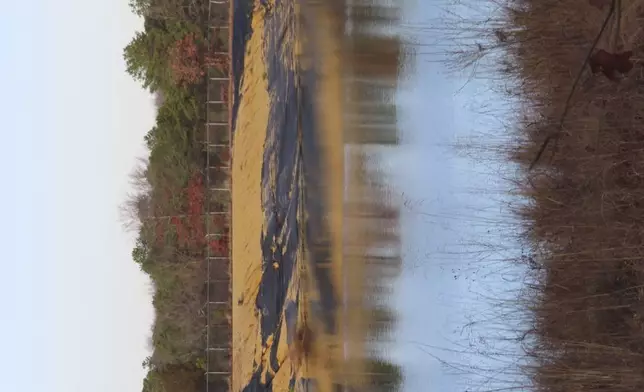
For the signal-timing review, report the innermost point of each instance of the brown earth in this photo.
(248, 217)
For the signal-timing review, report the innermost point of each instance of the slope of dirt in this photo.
(250, 133)
(268, 208)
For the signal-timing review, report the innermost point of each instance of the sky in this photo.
(76, 310)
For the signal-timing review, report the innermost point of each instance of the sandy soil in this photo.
(249, 222)
(326, 364)
(247, 212)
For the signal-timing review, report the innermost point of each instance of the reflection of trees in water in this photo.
(371, 63)
(379, 214)
(375, 59)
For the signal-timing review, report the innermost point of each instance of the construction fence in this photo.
(218, 142)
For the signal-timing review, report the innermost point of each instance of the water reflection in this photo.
(370, 60)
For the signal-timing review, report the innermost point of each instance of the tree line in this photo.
(169, 57)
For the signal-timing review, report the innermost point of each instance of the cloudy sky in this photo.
(76, 311)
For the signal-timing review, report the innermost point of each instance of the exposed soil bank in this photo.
(276, 176)
(293, 203)
(248, 217)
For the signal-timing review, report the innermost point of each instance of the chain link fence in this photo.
(218, 143)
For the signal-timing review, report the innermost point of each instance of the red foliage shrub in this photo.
(223, 94)
(185, 63)
(219, 61)
(219, 246)
(191, 226)
(188, 63)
